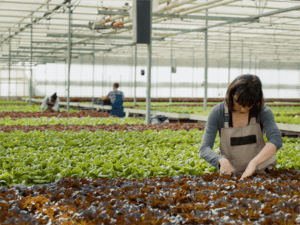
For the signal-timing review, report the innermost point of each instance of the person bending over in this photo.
(116, 98)
(52, 103)
(241, 120)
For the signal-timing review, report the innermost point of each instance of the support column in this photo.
(242, 67)
(250, 62)
(93, 72)
(229, 56)
(278, 78)
(9, 64)
(81, 69)
(148, 97)
(135, 65)
(255, 65)
(69, 57)
(299, 78)
(193, 73)
(131, 72)
(206, 67)
(170, 100)
(24, 79)
(218, 76)
(30, 85)
(66, 72)
(46, 79)
(157, 76)
(103, 74)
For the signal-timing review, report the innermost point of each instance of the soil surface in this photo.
(78, 99)
(272, 198)
(114, 127)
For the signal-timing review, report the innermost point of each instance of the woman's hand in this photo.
(250, 170)
(225, 166)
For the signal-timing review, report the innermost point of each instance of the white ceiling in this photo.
(271, 38)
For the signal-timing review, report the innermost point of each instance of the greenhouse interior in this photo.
(149, 112)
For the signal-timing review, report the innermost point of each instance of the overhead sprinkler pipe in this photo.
(217, 3)
(159, 9)
(115, 6)
(195, 6)
(163, 8)
(184, 11)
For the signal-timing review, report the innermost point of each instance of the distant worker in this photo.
(51, 103)
(116, 98)
(241, 120)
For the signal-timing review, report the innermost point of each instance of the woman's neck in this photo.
(240, 114)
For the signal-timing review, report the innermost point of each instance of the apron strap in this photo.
(226, 116)
(253, 120)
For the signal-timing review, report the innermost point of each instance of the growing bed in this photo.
(107, 171)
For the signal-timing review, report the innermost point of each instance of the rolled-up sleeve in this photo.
(56, 105)
(208, 139)
(272, 131)
(44, 103)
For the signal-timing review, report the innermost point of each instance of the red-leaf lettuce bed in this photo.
(114, 127)
(83, 113)
(208, 199)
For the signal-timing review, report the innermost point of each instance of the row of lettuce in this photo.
(281, 114)
(42, 157)
(8, 121)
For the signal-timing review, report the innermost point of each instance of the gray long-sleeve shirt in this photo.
(216, 121)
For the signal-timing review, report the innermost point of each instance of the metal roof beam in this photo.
(195, 17)
(99, 37)
(252, 17)
(75, 49)
(35, 20)
(64, 43)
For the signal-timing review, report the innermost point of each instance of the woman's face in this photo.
(240, 108)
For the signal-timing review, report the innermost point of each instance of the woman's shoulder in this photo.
(265, 113)
(265, 109)
(218, 110)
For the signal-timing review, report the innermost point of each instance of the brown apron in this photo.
(241, 144)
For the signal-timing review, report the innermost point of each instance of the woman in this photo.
(241, 120)
(51, 103)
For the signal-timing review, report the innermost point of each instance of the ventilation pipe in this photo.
(193, 7)
(115, 6)
(180, 10)
(156, 9)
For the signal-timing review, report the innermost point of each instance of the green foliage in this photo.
(13, 102)
(198, 110)
(40, 157)
(69, 121)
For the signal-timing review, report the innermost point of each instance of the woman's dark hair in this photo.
(248, 88)
(116, 85)
(54, 96)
